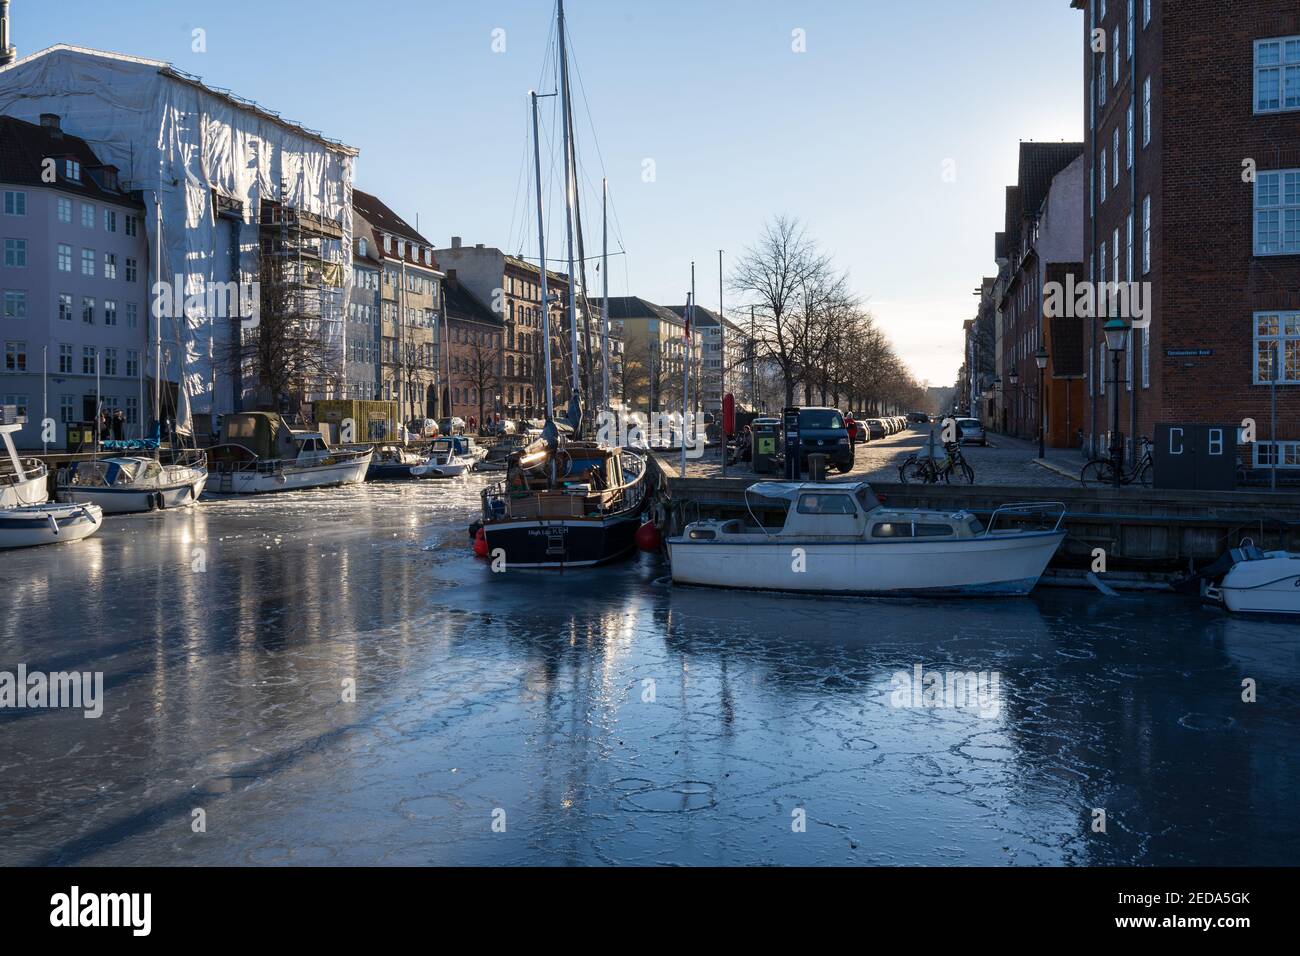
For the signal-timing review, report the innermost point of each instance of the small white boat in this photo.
(33, 525)
(838, 538)
(22, 480)
(132, 484)
(450, 457)
(1259, 582)
(239, 471)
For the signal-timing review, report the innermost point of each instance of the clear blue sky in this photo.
(850, 136)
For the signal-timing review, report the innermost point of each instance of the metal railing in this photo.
(1025, 509)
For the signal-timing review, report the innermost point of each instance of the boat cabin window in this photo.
(892, 529)
(976, 527)
(826, 505)
(932, 530)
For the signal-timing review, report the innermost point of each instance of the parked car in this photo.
(451, 426)
(857, 430)
(971, 432)
(822, 431)
(422, 428)
(876, 428)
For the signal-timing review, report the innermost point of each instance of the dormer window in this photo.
(428, 257)
(361, 247)
(72, 170)
(388, 243)
(401, 248)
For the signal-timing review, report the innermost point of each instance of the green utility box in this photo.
(767, 445)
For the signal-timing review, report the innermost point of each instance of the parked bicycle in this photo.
(1101, 471)
(927, 471)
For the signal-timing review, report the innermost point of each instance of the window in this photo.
(1114, 69)
(87, 262)
(110, 361)
(65, 209)
(16, 253)
(361, 246)
(132, 410)
(1131, 30)
(1101, 368)
(131, 225)
(88, 215)
(15, 356)
(1146, 235)
(132, 363)
(892, 529)
(110, 265)
(72, 170)
(1286, 454)
(933, 530)
(110, 312)
(15, 304)
(110, 220)
(1128, 152)
(1128, 258)
(1114, 237)
(1277, 213)
(65, 257)
(67, 407)
(1101, 81)
(1146, 112)
(87, 360)
(65, 359)
(1146, 13)
(18, 401)
(388, 244)
(15, 202)
(1146, 357)
(1277, 347)
(1092, 373)
(131, 269)
(1277, 75)
(1115, 157)
(87, 310)
(132, 317)
(1103, 175)
(1101, 258)
(1128, 361)
(65, 307)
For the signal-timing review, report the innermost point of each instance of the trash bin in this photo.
(767, 444)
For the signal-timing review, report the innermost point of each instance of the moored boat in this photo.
(450, 457)
(34, 525)
(1256, 582)
(837, 538)
(131, 484)
(262, 454)
(393, 463)
(22, 480)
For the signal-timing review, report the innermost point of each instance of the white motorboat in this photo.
(33, 525)
(131, 484)
(263, 454)
(450, 457)
(1258, 582)
(837, 538)
(22, 480)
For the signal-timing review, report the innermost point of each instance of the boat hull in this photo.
(1269, 586)
(116, 501)
(557, 543)
(293, 479)
(33, 490)
(973, 567)
(47, 524)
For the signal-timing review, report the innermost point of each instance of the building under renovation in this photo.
(239, 195)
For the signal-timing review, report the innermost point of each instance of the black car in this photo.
(822, 432)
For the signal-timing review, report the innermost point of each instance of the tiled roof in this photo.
(384, 219)
(634, 307)
(464, 304)
(1039, 164)
(703, 316)
(23, 147)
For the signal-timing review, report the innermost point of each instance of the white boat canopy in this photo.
(791, 490)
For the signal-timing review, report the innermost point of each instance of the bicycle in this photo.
(929, 472)
(1100, 472)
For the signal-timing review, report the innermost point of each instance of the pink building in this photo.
(73, 283)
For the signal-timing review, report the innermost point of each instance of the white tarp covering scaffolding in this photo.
(174, 138)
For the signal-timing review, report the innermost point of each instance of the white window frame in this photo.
(1257, 459)
(1146, 112)
(1102, 178)
(1283, 336)
(1115, 61)
(1284, 63)
(1128, 152)
(15, 202)
(1115, 157)
(63, 210)
(1146, 234)
(1281, 209)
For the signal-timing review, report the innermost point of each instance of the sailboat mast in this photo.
(541, 246)
(157, 319)
(604, 299)
(569, 189)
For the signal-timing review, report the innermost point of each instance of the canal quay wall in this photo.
(1149, 535)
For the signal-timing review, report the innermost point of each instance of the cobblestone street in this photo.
(1006, 461)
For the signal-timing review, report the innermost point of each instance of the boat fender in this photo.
(162, 501)
(54, 525)
(480, 544)
(475, 528)
(647, 537)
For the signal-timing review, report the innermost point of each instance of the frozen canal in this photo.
(604, 717)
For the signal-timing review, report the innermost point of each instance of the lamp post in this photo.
(1040, 359)
(1014, 378)
(1116, 331)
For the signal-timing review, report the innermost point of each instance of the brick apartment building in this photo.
(1192, 139)
(475, 341)
(1041, 240)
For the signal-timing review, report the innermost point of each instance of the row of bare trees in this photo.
(813, 333)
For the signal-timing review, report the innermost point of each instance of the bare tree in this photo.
(481, 369)
(287, 355)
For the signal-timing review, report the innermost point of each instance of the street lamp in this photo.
(1014, 378)
(1040, 359)
(1116, 331)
